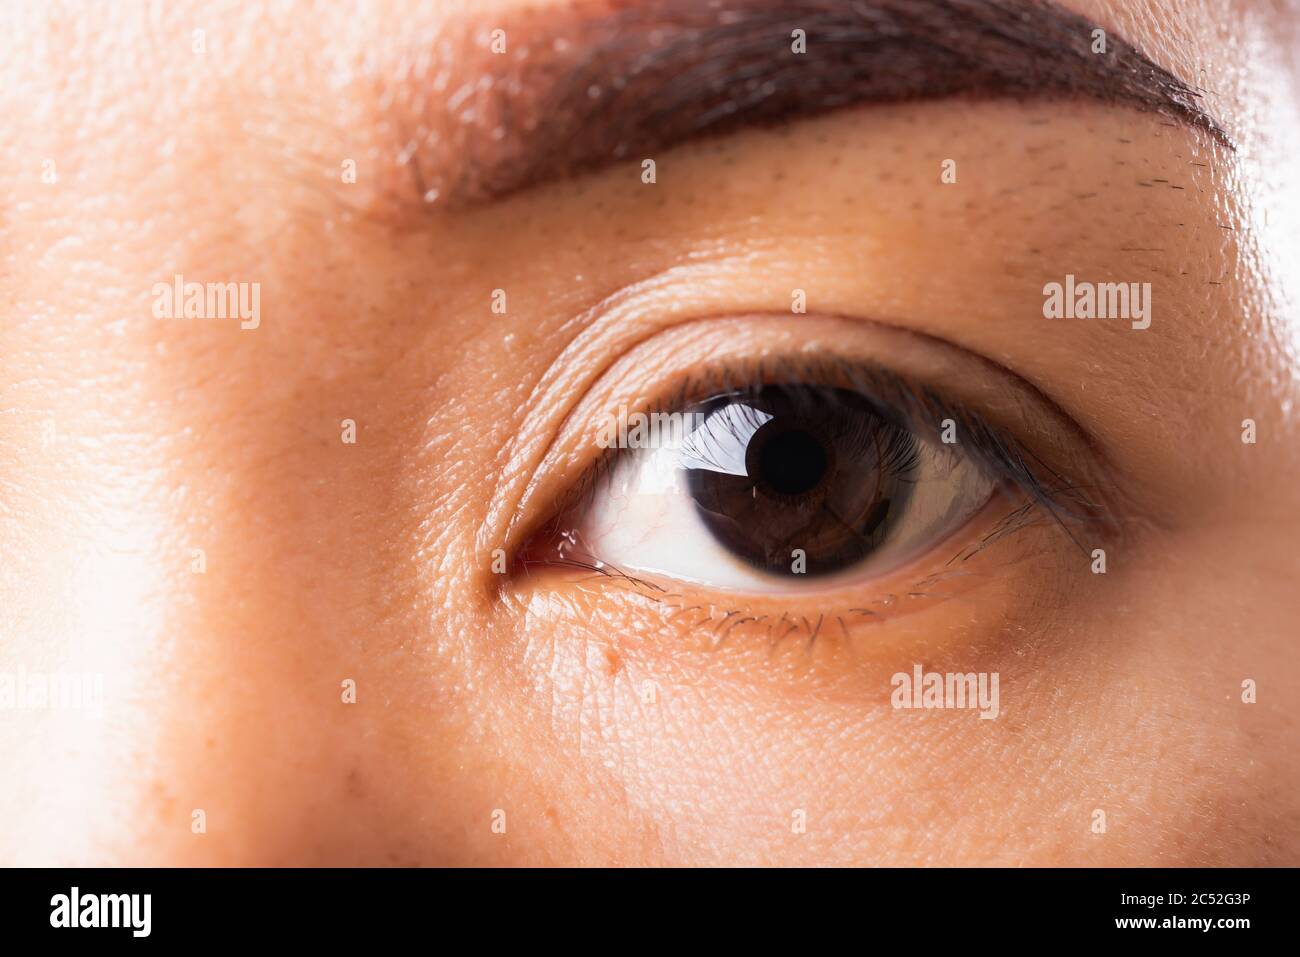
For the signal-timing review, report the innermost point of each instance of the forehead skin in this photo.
(126, 443)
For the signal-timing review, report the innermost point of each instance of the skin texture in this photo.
(127, 441)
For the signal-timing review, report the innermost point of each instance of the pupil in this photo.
(792, 463)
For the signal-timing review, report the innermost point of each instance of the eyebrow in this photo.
(586, 85)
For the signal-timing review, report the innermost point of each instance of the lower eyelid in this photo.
(981, 555)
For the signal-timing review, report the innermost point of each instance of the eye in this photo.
(777, 485)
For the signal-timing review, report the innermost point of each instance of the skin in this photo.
(126, 442)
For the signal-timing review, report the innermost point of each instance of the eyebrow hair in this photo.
(589, 84)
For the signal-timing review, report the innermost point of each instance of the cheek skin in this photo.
(714, 751)
(711, 750)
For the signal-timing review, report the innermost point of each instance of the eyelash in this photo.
(898, 449)
(911, 403)
(908, 404)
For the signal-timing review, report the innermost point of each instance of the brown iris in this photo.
(825, 475)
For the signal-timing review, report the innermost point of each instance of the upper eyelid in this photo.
(621, 338)
(897, 391)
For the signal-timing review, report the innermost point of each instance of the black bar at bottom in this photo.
(565, 908)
